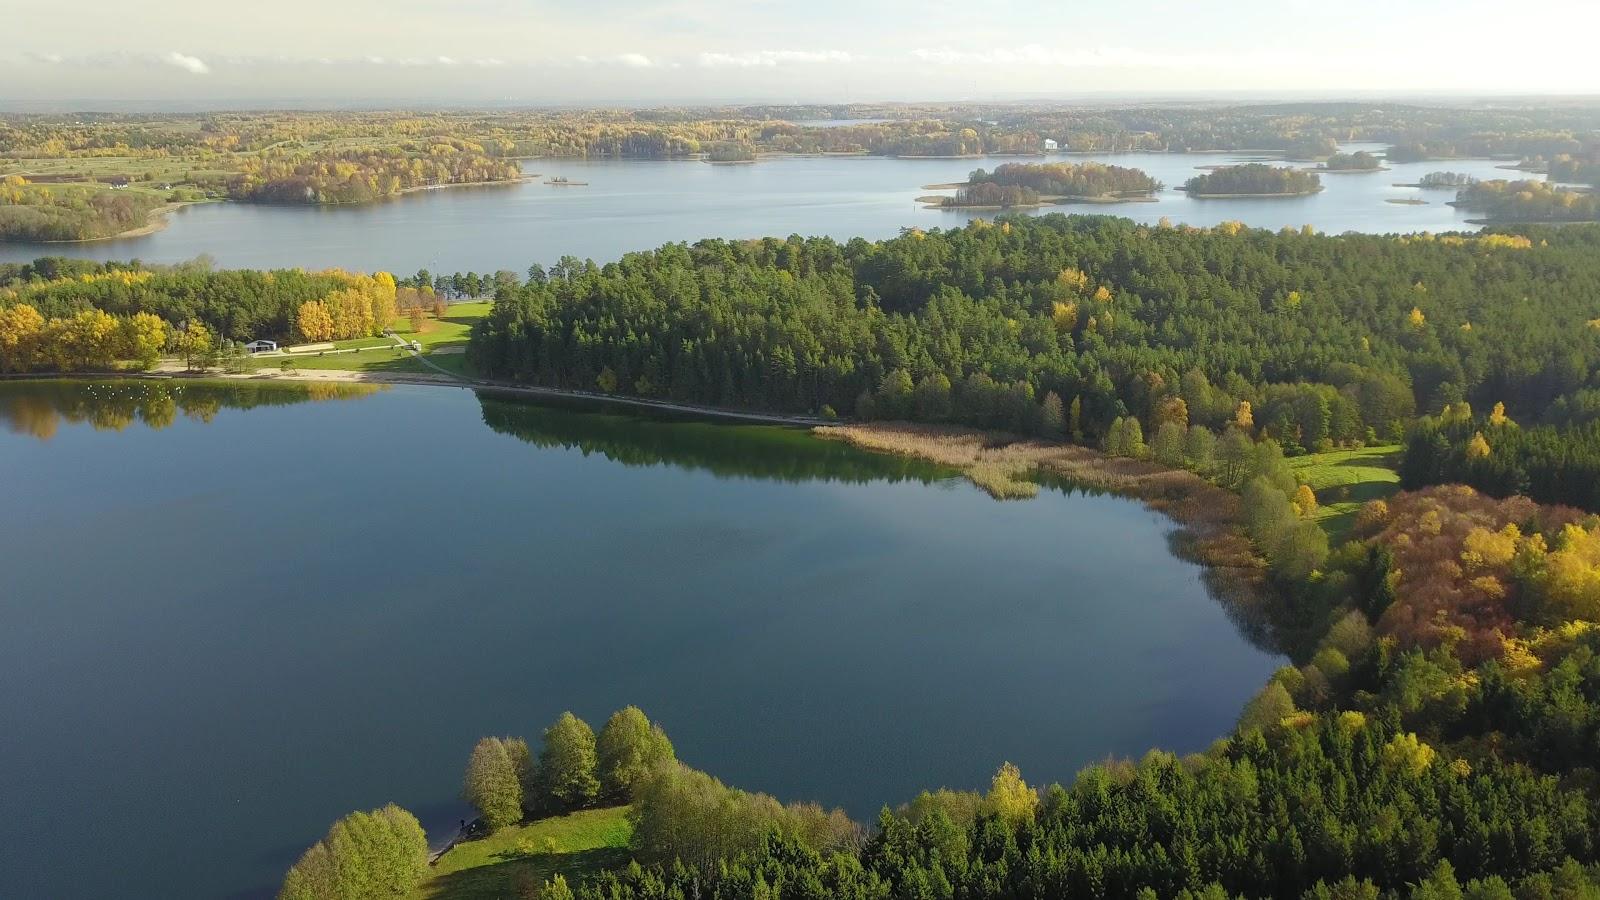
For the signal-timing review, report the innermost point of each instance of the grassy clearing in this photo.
(442, 342)
(1345, 479)
(501, 865)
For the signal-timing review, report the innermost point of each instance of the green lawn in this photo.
(1345, 479)
(442, 341)
(576, 846)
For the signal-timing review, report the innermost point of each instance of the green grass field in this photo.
(1344, 480)
(442, 341)
(501, 865)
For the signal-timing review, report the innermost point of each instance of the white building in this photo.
(1050, 145)
(261, 346)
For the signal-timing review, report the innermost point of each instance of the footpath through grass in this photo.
(513, 861)
(1344, 480)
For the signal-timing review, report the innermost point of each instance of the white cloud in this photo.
(770, 58)
(194, 65)
(445, 61)
(1100, 57)
(629, 60)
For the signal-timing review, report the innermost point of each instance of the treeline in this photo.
(1522, 136)
(731, 151)
(89, 340)
(1359, 161)
(505, 781)
(365, 306)
(1331, 340)
(356, 176)
(990, 194)
(1301, 131)
(1068, 180)
(34, 213)
(1551, 464)
(1253, 178)
(1579, 168)
(1324, 806)
(1529, 201)
(1447, 180)
(234, 305)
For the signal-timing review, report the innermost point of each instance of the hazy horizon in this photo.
(689, 52)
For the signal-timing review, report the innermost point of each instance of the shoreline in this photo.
(1207, 518)
(1250, 196)
(936, 201)
(424, 379)
(155, 220)
(159, 217)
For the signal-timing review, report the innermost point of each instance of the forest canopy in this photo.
(1253, 179)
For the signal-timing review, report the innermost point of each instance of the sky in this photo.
(212, 53)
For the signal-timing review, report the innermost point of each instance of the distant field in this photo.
(1345, 479)
(514, 859)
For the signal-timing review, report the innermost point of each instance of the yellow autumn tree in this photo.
(194, 342)
(1073, 281)
(1065, 316)
(1570, 581)
(1498, 417)
(1305, 501)
(1407, 753)
(1244, 417)
(1010, 797)
(1485, 549)
(1478, 447)
(351, 310)
(20, 327)
(313, 321)
(1416, 319)
(144, 336)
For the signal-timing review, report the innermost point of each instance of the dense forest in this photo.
(1496, 455)
(988, 194)
(72, 315)
(1253, 179)
(1529, 201)
(68, 213)
(1068, 179)
(1328, 339)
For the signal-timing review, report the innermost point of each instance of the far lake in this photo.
(639, 204)
(230, 614)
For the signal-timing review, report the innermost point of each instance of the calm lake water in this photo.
(231, 614)
(636, 205)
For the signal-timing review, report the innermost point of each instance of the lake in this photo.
(640, 204)
(230, 614)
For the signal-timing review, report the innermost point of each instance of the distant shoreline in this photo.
(1250, 196)
(155, 221)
